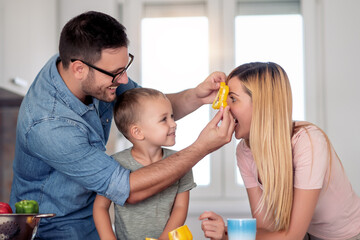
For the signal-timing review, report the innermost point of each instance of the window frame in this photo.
(223, 194)
(147, 8)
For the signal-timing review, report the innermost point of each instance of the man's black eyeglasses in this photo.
(115, 77)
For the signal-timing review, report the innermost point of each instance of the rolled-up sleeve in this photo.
(65, 146)
(119, 187)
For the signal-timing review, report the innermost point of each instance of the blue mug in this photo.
(241, 228)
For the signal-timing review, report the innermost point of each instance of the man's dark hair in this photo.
(86, 35)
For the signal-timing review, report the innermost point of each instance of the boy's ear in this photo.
(136, 133)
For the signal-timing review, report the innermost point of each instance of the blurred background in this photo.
(177, 44)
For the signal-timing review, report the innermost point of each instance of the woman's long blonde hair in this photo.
(270, 136)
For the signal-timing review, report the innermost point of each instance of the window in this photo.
(275, 38)
(175, 56)
(181, 42)
(258, 40)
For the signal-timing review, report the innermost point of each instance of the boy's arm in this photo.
(156, 177)
(178, 214)
(102, 218)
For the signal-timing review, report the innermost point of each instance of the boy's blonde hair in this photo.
(127, 109)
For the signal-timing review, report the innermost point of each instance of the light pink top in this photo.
(337, 213)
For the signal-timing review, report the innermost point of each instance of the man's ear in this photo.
(79, 70)
(136, 133)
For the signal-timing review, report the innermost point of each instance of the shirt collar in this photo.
(65, 94)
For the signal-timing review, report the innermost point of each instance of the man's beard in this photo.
(90, 88)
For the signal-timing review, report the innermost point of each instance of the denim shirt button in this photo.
(107, 120)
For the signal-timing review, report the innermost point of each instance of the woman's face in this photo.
(241, 108)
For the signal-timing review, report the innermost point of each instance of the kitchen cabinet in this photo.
(29, 35)
(9, 109)
(28, 38)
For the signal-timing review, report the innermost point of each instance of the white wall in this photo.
(68, 9)
(27, 39)
(342, 98)
(332, 58)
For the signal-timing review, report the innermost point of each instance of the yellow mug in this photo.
(181, 233)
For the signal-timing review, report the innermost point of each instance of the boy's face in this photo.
(157, 122)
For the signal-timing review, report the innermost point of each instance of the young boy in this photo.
(146, 119)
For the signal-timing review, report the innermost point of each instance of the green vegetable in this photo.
(27, 206)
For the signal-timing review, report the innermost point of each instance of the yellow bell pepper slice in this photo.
(220, 100)
(181, 233)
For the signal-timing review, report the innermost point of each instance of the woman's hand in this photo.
(213, 226)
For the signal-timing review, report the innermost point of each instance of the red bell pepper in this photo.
(5, 208)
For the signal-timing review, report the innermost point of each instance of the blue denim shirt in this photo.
(60, 158)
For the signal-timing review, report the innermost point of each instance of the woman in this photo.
(295, 182)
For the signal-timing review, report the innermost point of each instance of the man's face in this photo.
(100, 85)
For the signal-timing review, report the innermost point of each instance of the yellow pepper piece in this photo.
(181, 233)
(220, 100)
(150, 239)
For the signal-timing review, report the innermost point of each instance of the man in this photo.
(64, 123)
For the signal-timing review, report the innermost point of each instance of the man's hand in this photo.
(207, 90)
(213, 226)
(189, 100)
(216, 134)
(154, 178)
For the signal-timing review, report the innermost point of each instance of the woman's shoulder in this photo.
(302, 128)
(308, 134)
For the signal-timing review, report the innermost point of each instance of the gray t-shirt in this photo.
(149, 217)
